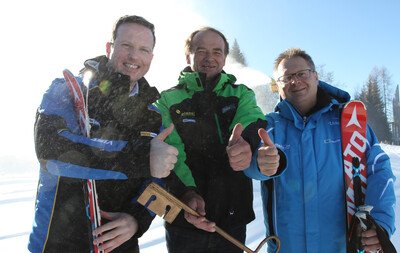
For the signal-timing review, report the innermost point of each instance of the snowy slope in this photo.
(17, 193)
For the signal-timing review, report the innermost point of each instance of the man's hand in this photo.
(370, 241)
(268, 157)
(121, 228)
(238, 150)
(196, 202)
(162, 156)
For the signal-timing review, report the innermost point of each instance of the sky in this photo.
(349, 38)
(41, 38)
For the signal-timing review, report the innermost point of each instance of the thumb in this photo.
(265, 137)
(200, 207)
(164, 134)
(236, 134)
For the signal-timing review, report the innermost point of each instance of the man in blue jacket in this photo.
(305, 204)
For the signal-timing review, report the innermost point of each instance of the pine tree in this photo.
(237, 54)
(377, 119)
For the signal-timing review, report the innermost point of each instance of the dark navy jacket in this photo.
(116, 155)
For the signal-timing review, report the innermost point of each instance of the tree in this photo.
(323, 75)
(372, 98)
(385, 82)
(237, 54)
(328, 76)
(265, 98)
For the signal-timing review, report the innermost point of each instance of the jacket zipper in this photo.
(304, 121)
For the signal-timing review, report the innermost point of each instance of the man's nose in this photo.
(133, 52)
(294, 80)
(207, 55)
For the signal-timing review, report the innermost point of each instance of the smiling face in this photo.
(207, 54)
(301, 92)
(132, 51)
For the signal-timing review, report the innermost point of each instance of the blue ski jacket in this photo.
(116, 156)
(305, 204)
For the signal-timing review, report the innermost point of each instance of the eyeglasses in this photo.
(300, 75)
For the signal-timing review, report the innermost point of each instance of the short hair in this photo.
(135, 20)
(189, 40)
(291, 53)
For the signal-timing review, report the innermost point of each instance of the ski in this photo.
(81, 112)
(354, 144)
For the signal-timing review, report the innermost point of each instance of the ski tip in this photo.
(67, 71)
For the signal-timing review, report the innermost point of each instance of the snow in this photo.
(17, 196)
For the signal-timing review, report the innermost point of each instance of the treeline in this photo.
(377, 94)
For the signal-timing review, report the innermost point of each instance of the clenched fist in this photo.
(238, 150)
(268, 157)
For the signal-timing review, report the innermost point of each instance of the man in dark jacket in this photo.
(121, 154)
(205, 107)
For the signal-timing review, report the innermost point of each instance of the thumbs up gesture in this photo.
(238, 150)
(162, 155)
(268, 157)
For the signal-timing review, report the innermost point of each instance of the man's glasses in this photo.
(300, 75)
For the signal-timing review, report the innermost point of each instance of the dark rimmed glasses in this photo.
(299, 75)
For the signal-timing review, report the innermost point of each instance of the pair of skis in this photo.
(81, 112)
(354, 144)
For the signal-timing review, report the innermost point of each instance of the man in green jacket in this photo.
(213, 117)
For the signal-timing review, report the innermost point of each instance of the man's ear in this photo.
(108, 49)
(273, 86)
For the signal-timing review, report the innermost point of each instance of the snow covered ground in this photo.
(17, 195)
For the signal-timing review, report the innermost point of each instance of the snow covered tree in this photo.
(266, 100)
(237, 54)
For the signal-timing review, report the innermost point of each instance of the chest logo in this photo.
(185, 114)
(147, 134)
(228, 108)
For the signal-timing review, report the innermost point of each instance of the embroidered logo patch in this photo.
(327, 141)
(333, 123)
(188, 114)
(228, 108)
(147, 134)
(189, 121)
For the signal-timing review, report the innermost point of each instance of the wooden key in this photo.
(167, 206)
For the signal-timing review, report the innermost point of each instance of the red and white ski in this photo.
(81, 112)
(354, 144)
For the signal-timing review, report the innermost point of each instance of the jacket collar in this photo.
(328, 97)
(98, 66)
(196, 81)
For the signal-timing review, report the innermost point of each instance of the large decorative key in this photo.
(167, 206)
